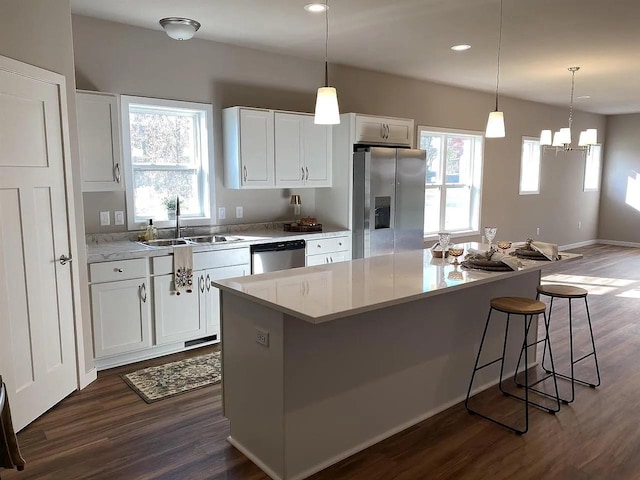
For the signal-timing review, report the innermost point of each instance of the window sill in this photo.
(463, 233)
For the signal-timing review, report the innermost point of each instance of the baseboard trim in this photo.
(586, 243)
(619, 243)
(247, 453)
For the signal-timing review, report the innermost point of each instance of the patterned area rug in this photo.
(163, 381)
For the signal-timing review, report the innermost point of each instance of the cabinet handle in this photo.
(143, 293)
(307, 169)
(244, 170)
(118, 270)
(117, 172)
(201, 283)
(302, 177)
(340, 243)
(331, 259)
(208, 283)
(382, 130)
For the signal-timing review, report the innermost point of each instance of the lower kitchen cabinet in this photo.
(328, 250)
(121, 316)
(177, 317)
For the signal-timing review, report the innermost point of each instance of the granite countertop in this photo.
(109, 247)
(348, 288)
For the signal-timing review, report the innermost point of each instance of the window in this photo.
(453, 180)
(530, 166)
(592, 169)
(167, 148)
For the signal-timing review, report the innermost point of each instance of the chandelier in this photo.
(561, 141)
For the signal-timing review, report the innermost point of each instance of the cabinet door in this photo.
(400, 132)
(121, 316)
(289, 149)
(210, 295)
(177, 317)
(370, 129)
(317, 153)
(99, 139)
(256, 148)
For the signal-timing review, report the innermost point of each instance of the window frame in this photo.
(206, 149)
(537, 191)
(586, 164)
(475, 208)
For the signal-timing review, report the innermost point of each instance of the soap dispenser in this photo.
(151, 232)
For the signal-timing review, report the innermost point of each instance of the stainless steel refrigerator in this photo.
(388, 200)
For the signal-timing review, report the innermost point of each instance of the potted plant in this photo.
(170, 204)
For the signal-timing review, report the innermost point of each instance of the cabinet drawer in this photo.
(331, 257)
(326, 245)
(221, 258)
(120, 270)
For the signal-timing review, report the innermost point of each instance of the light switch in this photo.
(222, 213)
(105, 219)
(239, 212)
(119, 217)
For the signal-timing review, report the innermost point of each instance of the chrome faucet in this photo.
(177, 217)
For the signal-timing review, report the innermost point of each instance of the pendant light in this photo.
(495, 123)
(327, 111)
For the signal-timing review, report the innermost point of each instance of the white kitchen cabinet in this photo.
(177, 317)
(328, 250)
(302, 151)
(248, 147)
(120, 307)
(384, 130)
(99, 141)
(210, 295)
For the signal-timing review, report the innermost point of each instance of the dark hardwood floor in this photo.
(107, 432)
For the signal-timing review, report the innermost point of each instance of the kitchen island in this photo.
(321, 362)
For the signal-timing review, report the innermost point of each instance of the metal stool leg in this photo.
(475, 367)
(593, 345)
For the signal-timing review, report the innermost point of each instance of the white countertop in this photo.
(125, 249)
(327, 292)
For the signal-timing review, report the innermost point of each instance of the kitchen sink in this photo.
(213, 239)
(167, 242)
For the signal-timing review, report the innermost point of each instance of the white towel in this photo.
(183, 269)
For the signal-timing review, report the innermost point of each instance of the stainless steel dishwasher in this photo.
(269, 257)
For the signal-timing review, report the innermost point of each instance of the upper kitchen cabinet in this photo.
(99, 138)
(384, 130)
(302, 151)
(248, 148)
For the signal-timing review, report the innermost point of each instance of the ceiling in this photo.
(540, 40)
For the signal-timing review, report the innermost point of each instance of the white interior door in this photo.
(37, 350)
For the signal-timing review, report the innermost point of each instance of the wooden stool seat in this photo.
(562, 291)
(518, 305)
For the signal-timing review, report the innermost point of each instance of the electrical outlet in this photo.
(579, 225)
(239, 212)
(262, 337)
(105, 219)
(537, 230)
(119, 217)
(222, 213)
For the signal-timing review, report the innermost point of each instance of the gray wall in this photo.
(39, 33)
(620, 221)
(117, 58)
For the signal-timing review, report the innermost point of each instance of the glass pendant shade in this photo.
(495, 125)
(545, 137)
(327, 111)
(556, 140)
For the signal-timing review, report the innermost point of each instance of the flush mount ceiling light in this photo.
(460, 48)
(315, 7)
(562, 138)
(327, 111)
(180, 28)
(495, 123)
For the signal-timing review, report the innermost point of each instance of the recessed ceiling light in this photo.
(461, 47)
(583, 97)
(316, 7)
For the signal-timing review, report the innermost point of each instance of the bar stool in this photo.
(527, 308)
(571, 293)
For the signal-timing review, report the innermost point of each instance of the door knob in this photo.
(64, 259)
